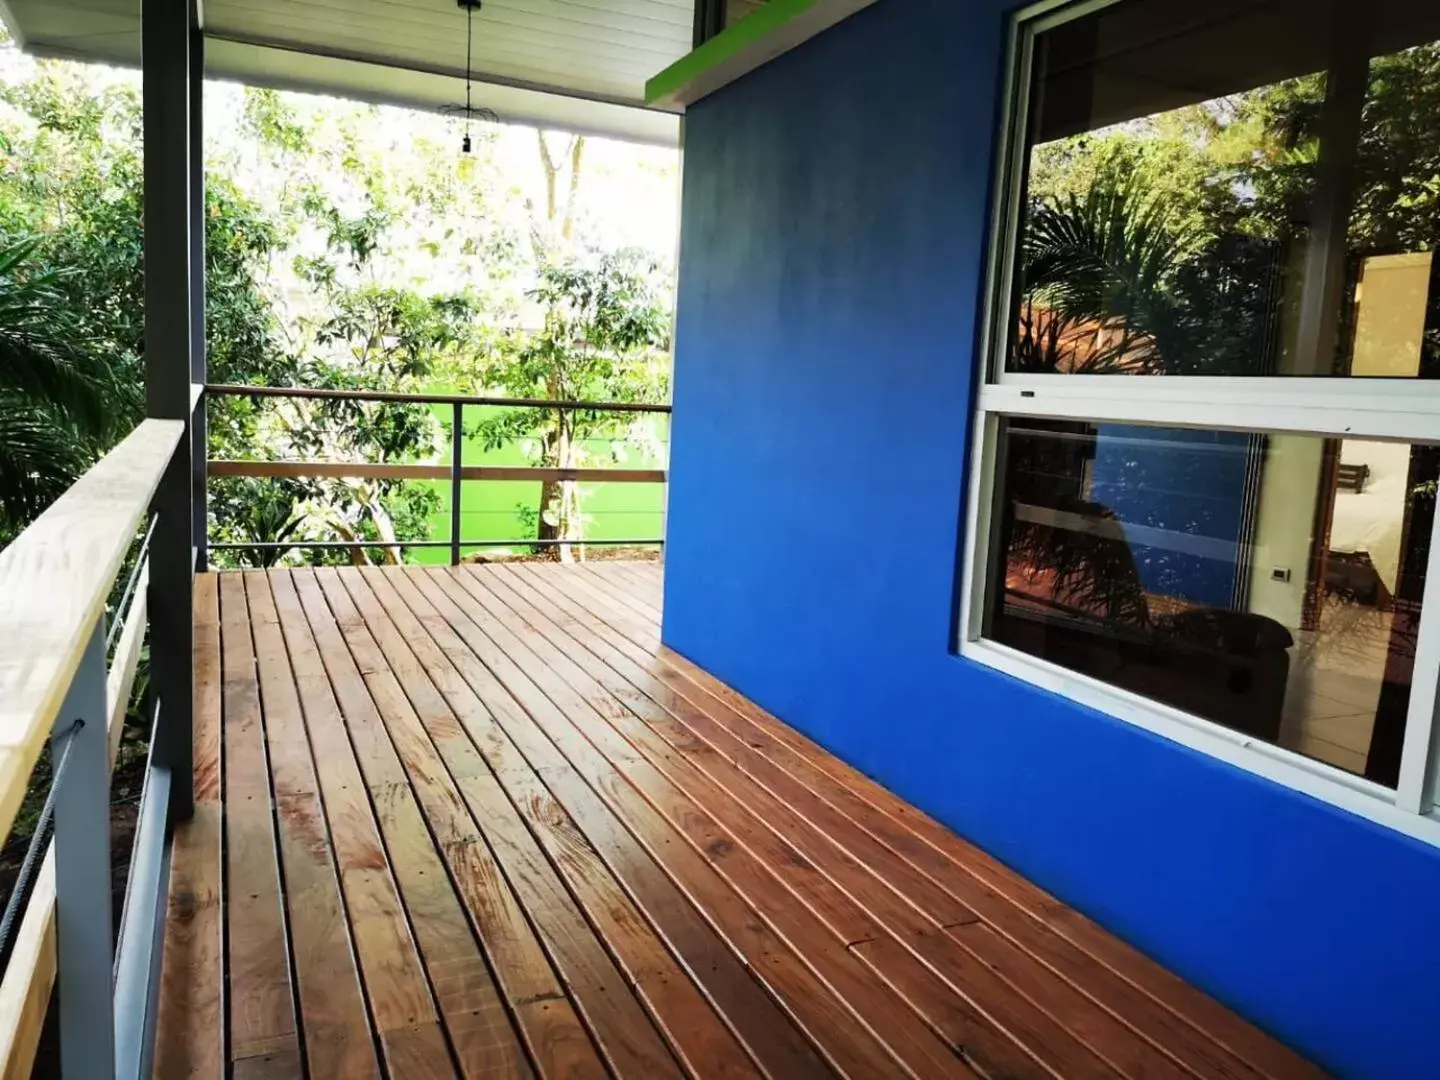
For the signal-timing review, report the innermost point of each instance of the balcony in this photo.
(477, 821)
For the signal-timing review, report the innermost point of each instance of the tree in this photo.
(57, 393)
(604, 338)
(364, 335)
(345, 249)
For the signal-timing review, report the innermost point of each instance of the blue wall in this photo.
(834, 212)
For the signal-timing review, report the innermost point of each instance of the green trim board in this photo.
(757, 39)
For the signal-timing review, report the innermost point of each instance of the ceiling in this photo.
(575, 64)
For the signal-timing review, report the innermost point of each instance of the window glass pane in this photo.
(1269, 583)
(1236, 188)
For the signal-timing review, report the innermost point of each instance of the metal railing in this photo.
(66, 680)
(456, 472)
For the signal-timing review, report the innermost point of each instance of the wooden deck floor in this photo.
(477, 823)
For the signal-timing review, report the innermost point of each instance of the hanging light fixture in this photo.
(470, 7)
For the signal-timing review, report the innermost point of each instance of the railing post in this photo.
(82, 871)
(167, 48)
(457, 449)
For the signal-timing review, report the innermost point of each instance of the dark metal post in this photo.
(457, 449)
(82, 870)
(198, 359)
(709, 20)
(166, 50)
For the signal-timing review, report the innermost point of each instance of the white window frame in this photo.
(1381, 410)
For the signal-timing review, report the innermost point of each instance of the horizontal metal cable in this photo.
(141, 558)
(276, 545)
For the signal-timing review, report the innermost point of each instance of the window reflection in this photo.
(1245, 188)
(1271, 584)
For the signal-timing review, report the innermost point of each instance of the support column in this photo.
(198, 357)
(169, 369)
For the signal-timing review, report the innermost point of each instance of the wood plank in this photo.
(336, 1025)
(685, 1017)
(190, 1037)
(1008, 901)
(768, 835)
(55, 578)
(975, 1012)
(207, 730)
(29, 977)
(374, 878)
(190, 1033)
(1027, 983)
(754, 1016)
(622, 1030)
(395, 982)
(259, 997)
(471, 1002)
(912, 1046)
(639, 632)
(744, 883)
(458, 972)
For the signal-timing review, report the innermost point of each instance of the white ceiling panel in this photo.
(578, 64)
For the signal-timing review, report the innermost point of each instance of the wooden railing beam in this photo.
(54, 580)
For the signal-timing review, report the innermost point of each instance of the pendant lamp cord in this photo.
(469, 30)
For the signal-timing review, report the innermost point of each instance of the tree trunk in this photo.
(558, 497)
(559, 500)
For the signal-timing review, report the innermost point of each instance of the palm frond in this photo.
(40, 456)
(44, 358)
(1108, 258)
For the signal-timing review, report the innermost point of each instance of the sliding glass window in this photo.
(1207, 439)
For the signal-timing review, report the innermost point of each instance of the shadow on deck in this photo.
(478, 823)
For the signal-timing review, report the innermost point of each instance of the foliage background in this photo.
(349, 246)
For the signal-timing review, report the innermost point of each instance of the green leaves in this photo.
(57, 390)
(1106, 258)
